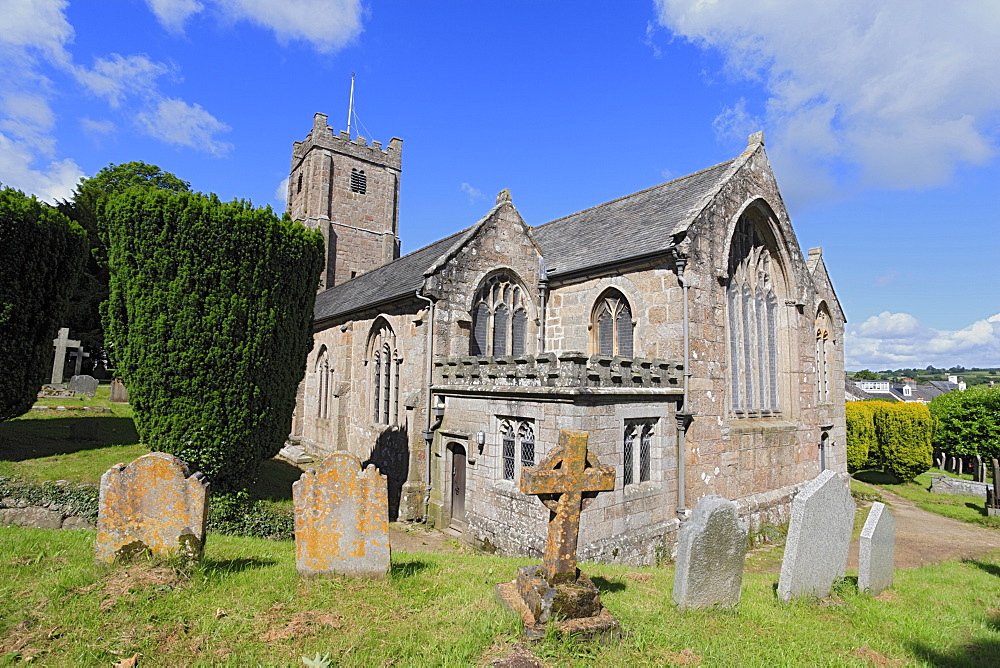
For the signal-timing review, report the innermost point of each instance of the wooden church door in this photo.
(458, 462)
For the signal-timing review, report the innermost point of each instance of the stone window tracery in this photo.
(384, 361)
(611, 323)
(824, 345)
(517, 437)
(499, 318)
(636, 451)
(323, 384)
(752, 321)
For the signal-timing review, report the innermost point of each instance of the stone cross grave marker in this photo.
(556, 591)
(877, 550)
(561, 490)
(342, 519)
(153, 504)
(62, 343)
(711, 547)
(819, 537)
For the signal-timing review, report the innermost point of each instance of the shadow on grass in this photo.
(877, 478)
(606, 586)
(275, 482)
(235, 565)
(979, 652)
(21, 440)
(405, 569)
(981, 509)
(992, 569)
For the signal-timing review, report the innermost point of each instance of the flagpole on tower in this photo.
(350, 107)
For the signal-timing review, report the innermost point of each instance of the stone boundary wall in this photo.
(14, 512)
(568, 369)
(942, 484)
(772, 507)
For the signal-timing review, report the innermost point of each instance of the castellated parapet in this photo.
(322, 135)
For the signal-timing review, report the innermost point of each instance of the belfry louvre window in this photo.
(612, 325)
(499, 318)
(752, 322)
(384, 362)
(359, 181)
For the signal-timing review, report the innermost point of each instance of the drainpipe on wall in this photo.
(431, 425)
(543, 292)
(684, 417)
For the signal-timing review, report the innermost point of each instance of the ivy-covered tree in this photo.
(209, 318)
(968, 422)
(44, 252)
(83, 316)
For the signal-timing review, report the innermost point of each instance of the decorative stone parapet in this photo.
(559, 370)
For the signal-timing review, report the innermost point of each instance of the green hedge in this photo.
(43, 254)
(210, 320)
(904, 432)
(861, 441)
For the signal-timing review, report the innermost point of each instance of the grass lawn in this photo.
(245, 605)
(971, 509)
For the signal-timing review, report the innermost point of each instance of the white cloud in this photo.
(474, 193)
(327, 24)
(895, 93)
(116, 76)
(36, 24)
(898, 340)
(173, 13)
(55, 181)
(97, 128)
(177, 122)
(281, 193)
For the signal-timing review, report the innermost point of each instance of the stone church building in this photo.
(680, 326)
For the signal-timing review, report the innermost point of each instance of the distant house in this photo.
(908, 391)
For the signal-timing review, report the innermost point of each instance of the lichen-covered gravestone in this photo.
(342, 519)
(877, 550)
(153, 504)
(711, 547)
(119, 394)
(819, 537)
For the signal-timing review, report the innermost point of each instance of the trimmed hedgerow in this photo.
(904, 433)
(209, 318)
(43, 254)
(861, 439)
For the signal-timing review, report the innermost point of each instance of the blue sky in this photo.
(879, 120)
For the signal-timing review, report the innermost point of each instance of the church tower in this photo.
(350, 191)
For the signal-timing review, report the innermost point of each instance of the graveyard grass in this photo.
(971, 509)
(245, 605)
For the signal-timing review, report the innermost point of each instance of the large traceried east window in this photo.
(824, 345)
(752, 305)
(499, 318)
(384, 361)
(611, 323)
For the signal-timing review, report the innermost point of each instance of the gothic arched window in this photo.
(323, 384)
(824, 345)
(752, 320)
(612, 325)
(384, 361)
(499, 318)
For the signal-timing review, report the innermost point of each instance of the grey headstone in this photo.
(83, 385)
(942, 484)
(711, 547)
(342, 519)
(119, 394)
(877, 551)
(819, 537)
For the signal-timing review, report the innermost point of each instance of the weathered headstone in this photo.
(877, 550)
(711, 548)
(993, 493)
(819, 537)
(556, 591)
(119, 394)
(83, 385)
(85, 429)
(61, 343)
(342, 519)
(152, 504)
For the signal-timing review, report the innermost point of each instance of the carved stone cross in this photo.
(61, 343)
(561, 481)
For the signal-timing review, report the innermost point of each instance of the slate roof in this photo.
(604, 234)
(400, 277)
(628, 227)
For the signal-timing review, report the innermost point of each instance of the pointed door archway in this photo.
(458, 471)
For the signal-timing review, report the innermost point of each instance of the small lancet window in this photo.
(359, 181)
(298, 187)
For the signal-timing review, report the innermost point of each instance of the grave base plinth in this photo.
(573, 606)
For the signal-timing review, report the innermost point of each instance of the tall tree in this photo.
(968, 422)
(84, 315)
(44, 252)
(210, 319)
